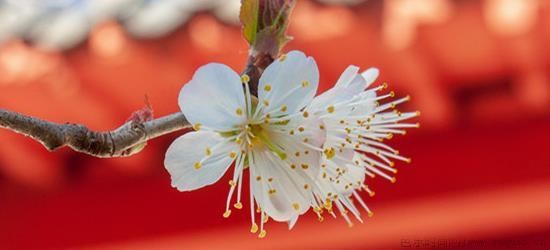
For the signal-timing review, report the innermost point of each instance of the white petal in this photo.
(191, 148)
(291, 82)
(212, 98)
(330, 98)
(289, 198)
(348, 85)
(351, 80)
(302, 147)
(292, 221)
(370, 75)
(351, 177)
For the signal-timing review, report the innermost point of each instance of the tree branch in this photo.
(126, 140)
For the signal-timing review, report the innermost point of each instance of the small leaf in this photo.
(249, 19)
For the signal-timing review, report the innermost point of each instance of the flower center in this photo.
(260, 136)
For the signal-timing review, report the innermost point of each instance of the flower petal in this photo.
(370, 76)
(214, 98)
(348, 85)
(198, 159)
(290, 83)
(349, 79)
(279, 192)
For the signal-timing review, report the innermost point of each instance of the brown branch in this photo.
(126, 140)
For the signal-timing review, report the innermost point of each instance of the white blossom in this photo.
(301, 151)
(271, 135)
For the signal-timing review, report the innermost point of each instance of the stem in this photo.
(117, 143)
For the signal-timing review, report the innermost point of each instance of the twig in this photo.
(123, 141)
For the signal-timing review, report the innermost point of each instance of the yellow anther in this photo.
(321, 126)
(370, 214)
(330, 109)
(392, 94)
(284, 108)
(262, 234)
(389, 136)
(306, 140)
(321, 219)
(272, 191)
(305, 166)
(208, 151)
(408, 160)
(324, 175)
(238, 205)
(306, 152)
(296, 206)
(329, 152)
(293, 166)
(239, 111)
(238, 140)
(266, 103)
(297, 154)
(393, 180)
(392, 164)
(245, 78)
(301, 129)
(267, 87)
(305, 83)
(270, 179)
(233, 155)
(254, 228)
(291, 132)
(282, 58)
(198, 165)
(258, 178)
(306, 114)
(232, 183)
(197, 126)
(350, 225)
(342, 121)
(306, 186)
(417, 113)
(227, 213)
(266, 219)
(384, 85)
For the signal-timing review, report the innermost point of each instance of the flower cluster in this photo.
(301, 151)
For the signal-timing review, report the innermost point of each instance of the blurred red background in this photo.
(479, 71)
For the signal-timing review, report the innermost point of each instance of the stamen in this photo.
(254, 228)
(227, 214)
(245, 78)
(197, 126)
(198, 165)
(238, 205)
(239, 111)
